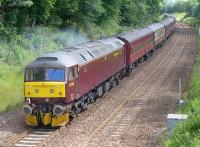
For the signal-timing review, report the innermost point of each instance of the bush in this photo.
(180, 16)
(190, 21)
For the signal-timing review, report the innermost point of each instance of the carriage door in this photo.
(72, 84)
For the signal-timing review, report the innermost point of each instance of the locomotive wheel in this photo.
(151, 52)
(91, 97)
(73, 114)
(114, 83)
(92, 100)
(136, 64)
(117, 80)
(83, 105)
(107, 86)
(77, 109)
(146, 57)
(141, 60)
(100, 91)
(128, 72)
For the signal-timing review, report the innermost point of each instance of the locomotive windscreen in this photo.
(45, 74)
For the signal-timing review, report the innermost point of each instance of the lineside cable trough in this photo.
(174, 119)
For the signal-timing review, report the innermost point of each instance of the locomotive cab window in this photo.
(45, 74)
(53, 74)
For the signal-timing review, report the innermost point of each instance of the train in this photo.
(61, 84)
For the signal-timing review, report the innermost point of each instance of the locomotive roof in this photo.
(79, 54)
(53, 59)
(156, 26)
(93, 50)
(136, 34)
(167, 21)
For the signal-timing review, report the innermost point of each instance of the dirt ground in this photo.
(146, 130)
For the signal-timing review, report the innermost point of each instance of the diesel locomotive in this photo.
(62, 83)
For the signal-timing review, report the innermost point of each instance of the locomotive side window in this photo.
(75, 72)
(72, 73)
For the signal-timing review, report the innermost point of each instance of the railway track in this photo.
(111, 130)
(33, 137)
(38, 137)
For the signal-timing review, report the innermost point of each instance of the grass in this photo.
(11, 87)
(187, 134)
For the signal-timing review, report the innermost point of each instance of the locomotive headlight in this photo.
(51, 90)
(58, 110)
(37, 91)
(27, 110)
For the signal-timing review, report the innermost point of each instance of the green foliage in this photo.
(82, 14)
(144, 12)
(11, 91)
(190, 9)
(190, 21)
(186, 134)
(180, 16)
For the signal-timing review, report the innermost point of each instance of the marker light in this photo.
(37, 91)
(51, 90)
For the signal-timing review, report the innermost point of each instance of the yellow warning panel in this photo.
(44, 89)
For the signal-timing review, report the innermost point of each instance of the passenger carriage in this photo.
(139, 44)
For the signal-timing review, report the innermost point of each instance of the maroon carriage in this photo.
(168, 23)
(139, 44)
(159, 33)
